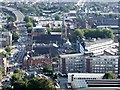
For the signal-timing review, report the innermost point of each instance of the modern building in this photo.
(91, 81)
(97, 47)
(95, 85)
(84, 76)
(102, 64)
(70, 63)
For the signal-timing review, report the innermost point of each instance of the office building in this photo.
(70, 63)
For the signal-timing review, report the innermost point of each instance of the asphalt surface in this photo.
(19, 15)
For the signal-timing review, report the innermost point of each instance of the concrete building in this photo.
(5, 39)
(70, 63)
(102, 64)
(84, 76)
(91, 81)
(97, 47)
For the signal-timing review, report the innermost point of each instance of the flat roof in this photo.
(108, 26)
(55, 33)
(88, 43)
(84, 74)
(70, 55)
(38, 57)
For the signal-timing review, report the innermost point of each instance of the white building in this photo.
(97, 47)
(84, 76)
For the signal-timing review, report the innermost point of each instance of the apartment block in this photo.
(71, 63)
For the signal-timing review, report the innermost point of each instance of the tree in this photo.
(27, 19)
(78, 34)
(40, 84)
(17, 76)
(20, 85)
(10, 19)
(29, 25)
(47, 69)
(109, 75)
(8, 49)
(57, 17)
(92, 33)
(15, 36)
(58, 29)
(29, 30)
(49, 30)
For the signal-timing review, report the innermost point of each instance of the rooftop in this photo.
(38, 57)
(70, 55)
(86, 74)
(93, 42)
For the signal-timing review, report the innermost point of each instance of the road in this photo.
(19, 15)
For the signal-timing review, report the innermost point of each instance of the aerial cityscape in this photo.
(59, 45)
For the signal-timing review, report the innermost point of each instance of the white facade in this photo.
(84, 76)
(97, 47)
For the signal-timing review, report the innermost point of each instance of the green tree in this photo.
(10, 19)
(8, 49)
(58, 29)
(78, 34)
(17, 76)
(27, 19)
(15, 36)
(49, 30)
(57, 17)
(47, 69)
(92, 33)
(109, 75)
(40, 84)
(20, 85)
(29, 25)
